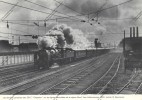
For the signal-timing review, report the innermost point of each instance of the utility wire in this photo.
(54, 10)
(61, 17)
(52, 13)
(100, 10)
(21, 24)
(10, 11)
(73, 21)
(120, 19)
(111, 7)
(72, 10)
(77, 15)
(29, 8)
(19, 31)
(80, 14)
(138, 16)
(10, 33)
(43, 6)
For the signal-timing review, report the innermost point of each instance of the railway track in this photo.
(133, 86)
(139, 89)
(33, 82)
(113, 86)
(73, 72)
(15, 70)
(15, 74)
(18, 76)
(62, 86)
(13, 79)
(14, 67)
(99, 86)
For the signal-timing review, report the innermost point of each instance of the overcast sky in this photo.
(113, 20)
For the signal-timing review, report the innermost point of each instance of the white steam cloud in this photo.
(63, 36)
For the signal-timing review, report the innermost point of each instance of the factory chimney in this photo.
(137, 32)
(130, 32)
(133, 31)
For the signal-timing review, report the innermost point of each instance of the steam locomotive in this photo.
(47, 57)
(133, 50)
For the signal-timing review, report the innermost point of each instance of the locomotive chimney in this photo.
(130, 32)
(133, 31)
(137, 32)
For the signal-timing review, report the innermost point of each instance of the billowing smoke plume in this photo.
(47, 41)
(63, 36)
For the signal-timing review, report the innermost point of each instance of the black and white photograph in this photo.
(70, 47)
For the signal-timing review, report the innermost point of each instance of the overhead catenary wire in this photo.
(71, 16)
(112, 6)
(10, 33)
(101, 9)
(9, 12)
(138, 16)
(53, 10)
(74, 11)
(30, 8)
(69, 7)
(21, 31)
(38, 10)
(20, 24)
(98, 10)
(43, 6)
(129, 18)
(52, 13)
(81, 15)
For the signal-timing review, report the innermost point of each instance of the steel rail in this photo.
(102, 90)
(88, 88)
(139, 87)
(73, 78)
(40, 77)
(127, 84)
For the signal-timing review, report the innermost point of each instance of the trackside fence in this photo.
(15, 58)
